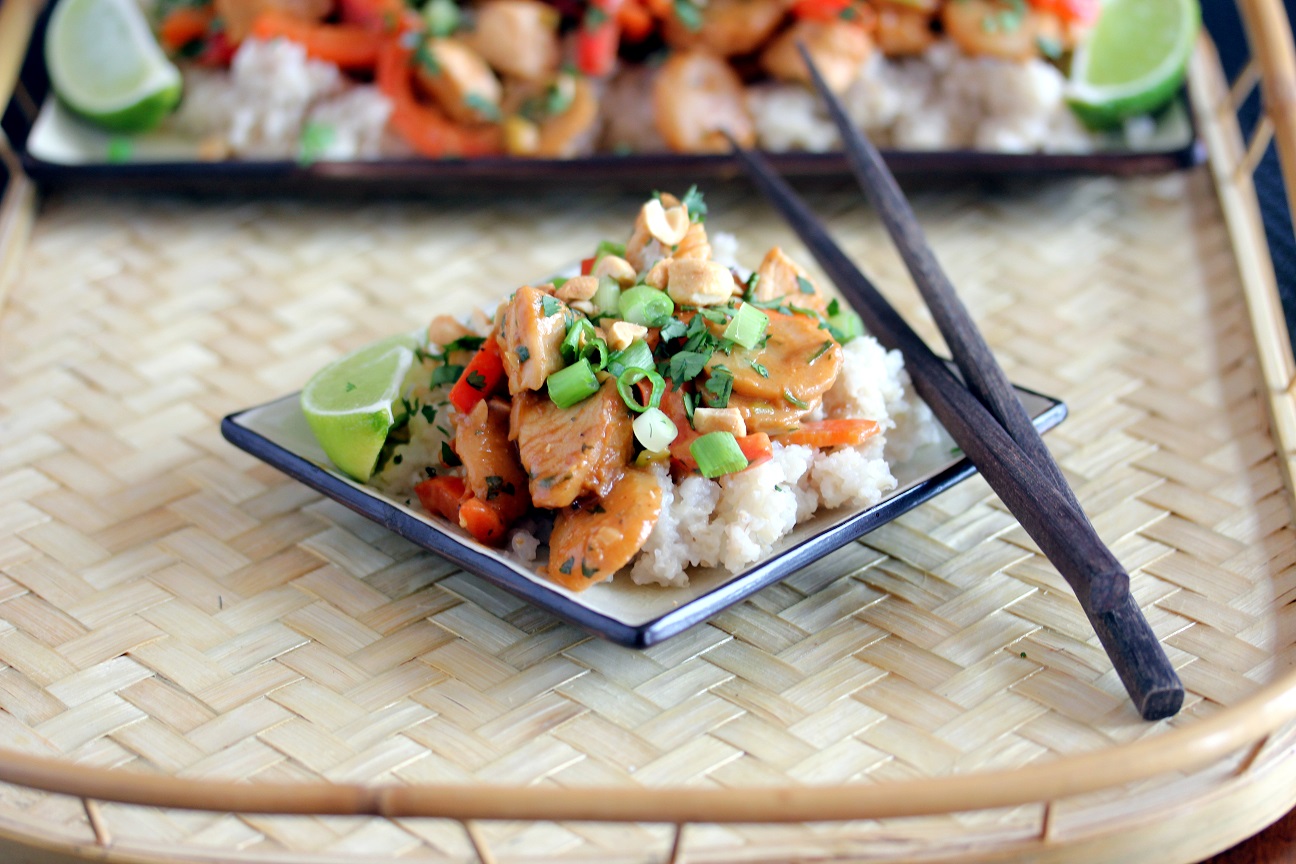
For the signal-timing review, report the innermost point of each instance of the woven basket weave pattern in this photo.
(170, 605)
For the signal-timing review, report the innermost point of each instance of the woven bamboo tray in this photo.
(182, 626)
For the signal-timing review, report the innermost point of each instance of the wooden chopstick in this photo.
(1124, 631)
(1049, 515)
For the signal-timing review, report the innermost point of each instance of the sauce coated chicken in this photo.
(585, 395)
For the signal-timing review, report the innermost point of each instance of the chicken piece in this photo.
(800, 362)
(574, 130)
(728, 27)
(237, 16)
(491, 465)
(591, 542)
(568, 452)
(904, 31)
(697, 97)
(781, 277)
(532, 325)
(1000, 28)
(838, 49)
(459, 80)
(518, 37)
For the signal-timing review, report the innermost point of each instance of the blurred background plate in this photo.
(58, 150)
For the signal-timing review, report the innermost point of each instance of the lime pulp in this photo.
(106, 66)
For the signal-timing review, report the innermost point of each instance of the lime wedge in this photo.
(352, 403)
(1134, 61)
(106, 66)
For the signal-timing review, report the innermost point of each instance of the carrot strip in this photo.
(423, 127)
(832, 433)
(482, 521)
(183, 25)
(756, 447)
(444, 495)
(635, 20)
(345, 45)
(481, 377)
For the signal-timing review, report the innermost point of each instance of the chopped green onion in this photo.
(441, 16)
(607, 297)
(717, 454)
(845, 326)
(747, 327)
(633, 376)
(607, 247)
(647, 306)
(573, 384)
(636, 355)
(582, 342)
(654, 430)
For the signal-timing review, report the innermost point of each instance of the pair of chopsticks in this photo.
(981, 412)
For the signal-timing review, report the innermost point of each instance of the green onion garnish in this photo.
(447, 374)
(747, 327)
(647, 306)
(654, 430)
(633, 376)
(573, 384)
(607, 247)
(717, 454)
(582, 342)
(442, 17)
(636, 355)
(608, 296)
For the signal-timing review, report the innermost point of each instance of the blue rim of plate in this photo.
(424, 531)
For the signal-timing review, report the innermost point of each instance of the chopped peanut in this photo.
(694, 282)
(618, 268)
(719, 420)
(622, 333)
(658, 274)
(667, 227)
(578, 288)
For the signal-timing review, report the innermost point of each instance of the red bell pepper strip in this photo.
(1079, 11)
(481, 377)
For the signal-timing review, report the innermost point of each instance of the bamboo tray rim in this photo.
(1187, 748)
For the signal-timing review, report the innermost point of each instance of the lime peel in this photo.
(352, 404)
(106, 66)
(1120, 72)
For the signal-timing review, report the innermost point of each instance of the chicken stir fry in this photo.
(567, 78)
(579, 394)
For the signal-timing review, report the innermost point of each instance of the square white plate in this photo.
(634, 615)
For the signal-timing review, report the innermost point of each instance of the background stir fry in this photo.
(657, 389)
(337, 79)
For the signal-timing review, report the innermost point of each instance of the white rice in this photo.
(736, 520)
(942, 100)
(272, 93)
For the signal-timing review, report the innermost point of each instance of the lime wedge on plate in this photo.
(352, 403)
(106, 66)
(1134, 60)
